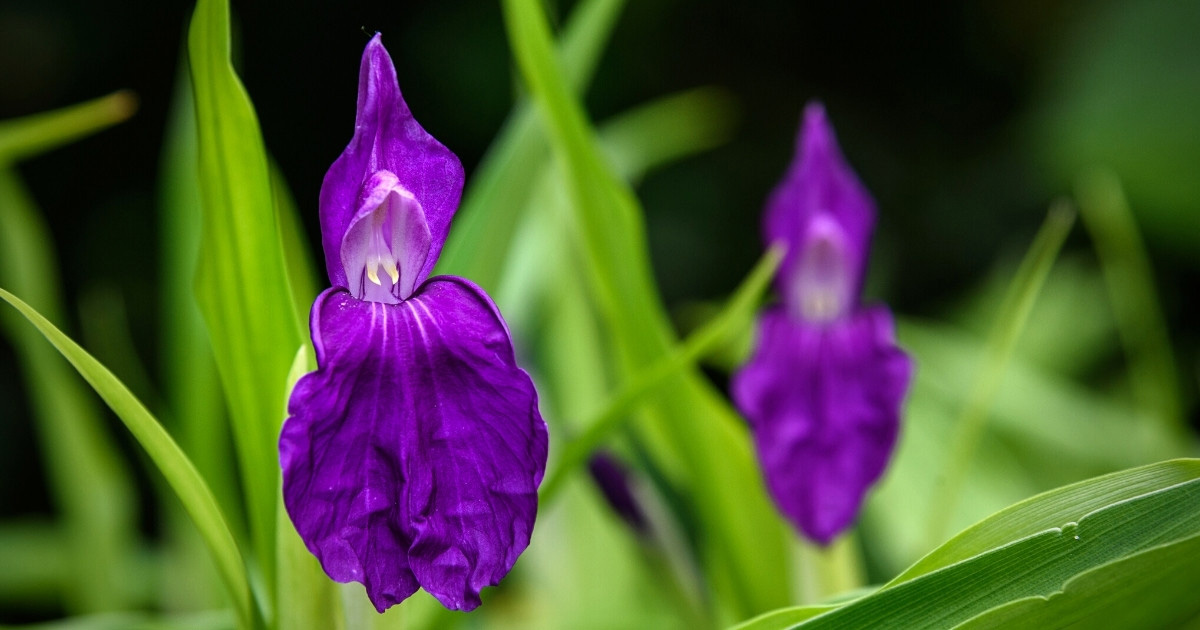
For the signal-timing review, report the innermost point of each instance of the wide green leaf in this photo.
(1080, 539)
(178, 470)
(242, 281)
(1152, 589)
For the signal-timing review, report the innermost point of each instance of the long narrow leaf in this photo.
(739, 307)
(741, 540)
(170, 460)
(242, 282)
(1010, 321)
(32, 135)
(92, 486)
(491, 207)
(191, 385)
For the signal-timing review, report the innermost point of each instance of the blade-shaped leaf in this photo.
(32, 135)
(242, 282)
(189, 486)
(498, 190)
(741, 537)
(93, 487)
(1080, 539)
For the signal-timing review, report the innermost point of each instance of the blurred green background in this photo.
(965, 119)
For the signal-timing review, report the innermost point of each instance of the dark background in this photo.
(965, 119)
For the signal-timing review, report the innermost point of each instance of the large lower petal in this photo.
(823, 401)
(412, 455)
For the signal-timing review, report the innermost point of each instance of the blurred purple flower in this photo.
(823, 390)
(412, 456)
(612, 477)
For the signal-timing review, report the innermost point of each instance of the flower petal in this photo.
(413, 454)
(824, 406)
(387, 138)
(819, 183)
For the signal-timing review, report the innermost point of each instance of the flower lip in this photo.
(388, 232)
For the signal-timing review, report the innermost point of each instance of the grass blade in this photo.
(165, 453)
(92, 486)
(28, 136)
(1009, 323)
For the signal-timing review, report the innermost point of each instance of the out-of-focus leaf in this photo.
(166, 455)
(297, 250)
(666, 129)
(1123, 93)
(207, 620)
(1130, 280)
(741, 536)
(92, 486)
(500, 187)
(1081, 538)
(32, 135)
(37, 563)
(738, 308)
(1010, 322)
(242, 282)
(197, 415)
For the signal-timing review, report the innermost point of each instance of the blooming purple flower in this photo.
(823, 390)
(412, 456)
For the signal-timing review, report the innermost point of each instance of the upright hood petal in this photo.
(819, 186)
(387, 138)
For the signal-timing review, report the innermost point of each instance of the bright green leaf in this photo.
(242, 280)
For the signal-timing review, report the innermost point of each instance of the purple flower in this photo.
(823, 390)
(412, 456)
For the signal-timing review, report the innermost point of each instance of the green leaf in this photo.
(740, 307)
(242, 282)
(784, 618)
(1010, 322)
(499, 189)
(25, 137)
(92, 486)
(1130, 279)
(189, 486)
(690, 425)
(192, 386)
(1080, 539)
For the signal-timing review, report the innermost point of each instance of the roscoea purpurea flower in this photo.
(412, 455)
(823, 390)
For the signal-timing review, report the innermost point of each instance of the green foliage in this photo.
(242, 281)
(93, 487)
(741, 542)
(1118, 535)
(189, 486)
